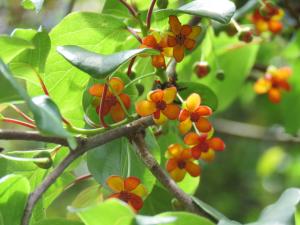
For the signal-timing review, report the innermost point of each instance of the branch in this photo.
(30, 136)
(150, 162)
(253, 131)
(84, 145)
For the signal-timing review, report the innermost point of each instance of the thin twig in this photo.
(253, 131)
(149, 14)
(84, 145)
(150, 162)
(134, 33)
(18, 122)
(21, 113)
(129, 7)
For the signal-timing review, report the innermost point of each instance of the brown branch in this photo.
(84, 145)
(253, 131)
(150, 162)
(30, 136)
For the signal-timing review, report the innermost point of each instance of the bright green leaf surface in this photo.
(111, 212)
(58, 222)
(10, 47)
(13, 195)
(182, 218)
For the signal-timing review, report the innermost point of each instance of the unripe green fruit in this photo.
(140, 88)
(220, 75)
(162, 4)
(44, 165)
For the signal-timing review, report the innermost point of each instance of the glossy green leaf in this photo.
(14, 190)
(208, 97)
(45, 112)
(117, 158)
(209, 209)
(33, 4)
(219, 10)
(281, 212)
(58, 222)
(10, 47)
(111, 212)
(97, 65)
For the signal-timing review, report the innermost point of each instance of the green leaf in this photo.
(112, 212)
(36, 58)
(209, 209)
(117, 158)
(10, 47)
(58, 222)
(14, 190)
(283, 211)
(97, 65)
(33, 5)
(99, 33)
(219, 10)
(181, 218)
(208, 97)
(45, 112)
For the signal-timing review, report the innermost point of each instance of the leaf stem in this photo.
(21, 113)
(101, 110)
(139, 78)
(18, 122)
(88, 132)
(13, 158)
(149, 14)
(130, 8)
(132, 31)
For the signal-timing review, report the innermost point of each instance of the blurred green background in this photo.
(252, 172)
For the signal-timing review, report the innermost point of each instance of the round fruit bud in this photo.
(140, 88)
(246, 36)
(231, 30)
(132, 75)
(220, 75)
(202, 69)
(45, 155)
(177, 205)
(162, 4)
